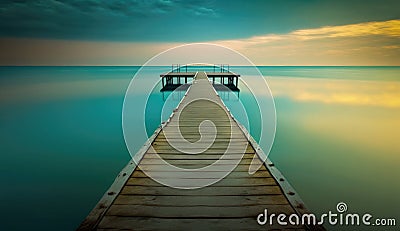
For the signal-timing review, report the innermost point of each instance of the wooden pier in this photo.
(222, 78)
(137, 202)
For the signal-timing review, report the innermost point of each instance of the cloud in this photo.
(386, 28)
(90, 7)
(204, 11)
(119, 20)
(370, 43)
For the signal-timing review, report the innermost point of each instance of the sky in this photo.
(269, 32)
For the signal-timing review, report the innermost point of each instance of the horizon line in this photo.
(210, 65)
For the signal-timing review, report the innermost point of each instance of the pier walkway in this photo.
(137, 202)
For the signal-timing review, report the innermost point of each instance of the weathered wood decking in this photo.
(136, 202)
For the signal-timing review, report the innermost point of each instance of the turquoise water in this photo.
(62, 143)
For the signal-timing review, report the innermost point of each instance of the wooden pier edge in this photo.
(93, 219)
(289, 192)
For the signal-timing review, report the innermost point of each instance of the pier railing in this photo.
(183, 74)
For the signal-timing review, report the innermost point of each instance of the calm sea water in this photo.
(62, 144)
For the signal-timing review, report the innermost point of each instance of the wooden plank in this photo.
(209, 151)
(206, 156)
(196, 130)
(207, 175)
(207, 191)
(219, 134)
(236, 182)
(147, 161)
(250, 211)
(148, 167)
(232, 147)
(197, 136)
(215, 143)
(218, 150)
(201, 200)
(176, 138)
(203, 145)
(187, 123)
